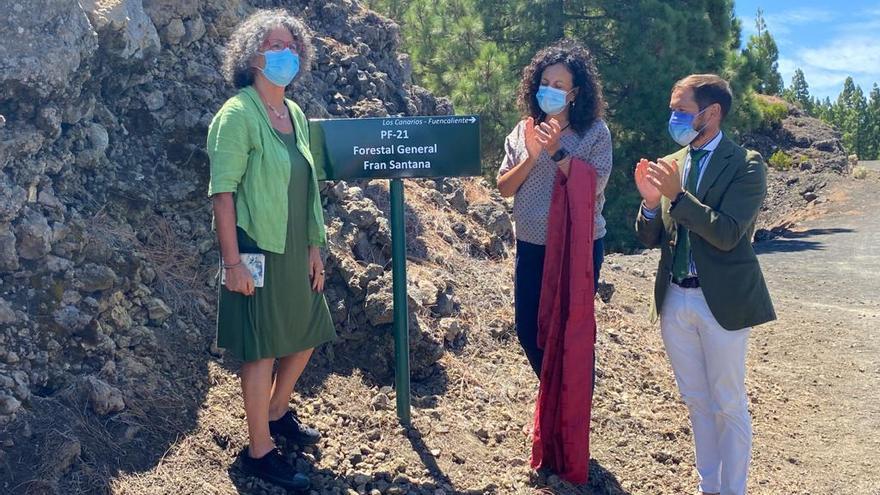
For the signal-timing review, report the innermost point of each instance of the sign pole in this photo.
(401, 310)
(396, 148)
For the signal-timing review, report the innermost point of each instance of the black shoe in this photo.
(273, 468)
(290, 427)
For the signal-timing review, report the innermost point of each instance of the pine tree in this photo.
(451, 56)
(799, 91)
(850, 117)
(873, 152)
(826, 110)
(763, 52)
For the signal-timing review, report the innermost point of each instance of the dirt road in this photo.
(815, 373)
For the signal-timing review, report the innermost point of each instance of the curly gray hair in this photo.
(245, 42)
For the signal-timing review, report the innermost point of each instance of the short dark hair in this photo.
(588, 104)
(708, 89)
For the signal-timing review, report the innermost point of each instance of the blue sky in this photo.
(828, 40)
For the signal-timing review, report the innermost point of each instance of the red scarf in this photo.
(567, 329)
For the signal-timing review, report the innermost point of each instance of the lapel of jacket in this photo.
(717, 164)
(679, 156)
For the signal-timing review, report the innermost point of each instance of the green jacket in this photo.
(720, 220)
(251, 161)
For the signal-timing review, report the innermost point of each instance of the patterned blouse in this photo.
(531, 204)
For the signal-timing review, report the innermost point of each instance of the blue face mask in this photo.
(681, 127)
(551, 100)
(281, 66)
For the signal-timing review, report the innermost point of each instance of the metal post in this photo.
(401, 311)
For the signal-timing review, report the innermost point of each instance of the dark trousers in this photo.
(529, 271)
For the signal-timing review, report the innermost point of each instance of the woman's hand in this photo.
(548, 135)
(533, 146)
(650, 194)
(316, 269)
(239, 279)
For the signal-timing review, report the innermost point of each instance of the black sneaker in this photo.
(273, 468)
(290, 427)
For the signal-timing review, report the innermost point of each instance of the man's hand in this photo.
(665, 177)
(650, 194)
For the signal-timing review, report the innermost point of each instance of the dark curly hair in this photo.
(588, 106)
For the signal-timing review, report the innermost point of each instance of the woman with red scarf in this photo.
(560, 144)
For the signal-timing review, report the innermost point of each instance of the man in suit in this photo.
(699, 207)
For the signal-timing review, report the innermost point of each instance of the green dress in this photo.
(285, 315)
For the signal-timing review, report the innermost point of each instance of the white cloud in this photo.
(850, 47)
(853, 54)
(866, 22)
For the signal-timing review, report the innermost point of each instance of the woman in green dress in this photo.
(266, 200)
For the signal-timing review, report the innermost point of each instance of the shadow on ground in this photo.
(796, 241)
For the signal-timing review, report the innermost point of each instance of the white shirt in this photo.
(704, 162)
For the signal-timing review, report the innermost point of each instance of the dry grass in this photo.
(860, 172)
(180, 277)
(474, 192)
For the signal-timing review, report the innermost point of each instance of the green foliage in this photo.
(452, 56)
(850, 114)
(764, 54)
(780, 161)
(873, 124)
(772, 111)
(395, 9)
(799, 92)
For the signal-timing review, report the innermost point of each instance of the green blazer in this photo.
(250, 160)
(720, 219)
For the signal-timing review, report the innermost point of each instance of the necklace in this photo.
(275, 111)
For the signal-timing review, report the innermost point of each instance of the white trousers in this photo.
(709, 363)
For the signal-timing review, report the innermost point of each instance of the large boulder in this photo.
(125, 29)
(44, 44)
(34, 235)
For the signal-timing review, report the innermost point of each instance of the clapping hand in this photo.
(650, 194)
(548, 135)
(665, 176)
(533, 146)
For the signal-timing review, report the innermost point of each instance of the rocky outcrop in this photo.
(106, 250)
(811, 156)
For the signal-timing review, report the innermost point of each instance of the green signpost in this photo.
(396, 148)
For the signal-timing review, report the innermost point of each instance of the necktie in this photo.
(682, 258)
